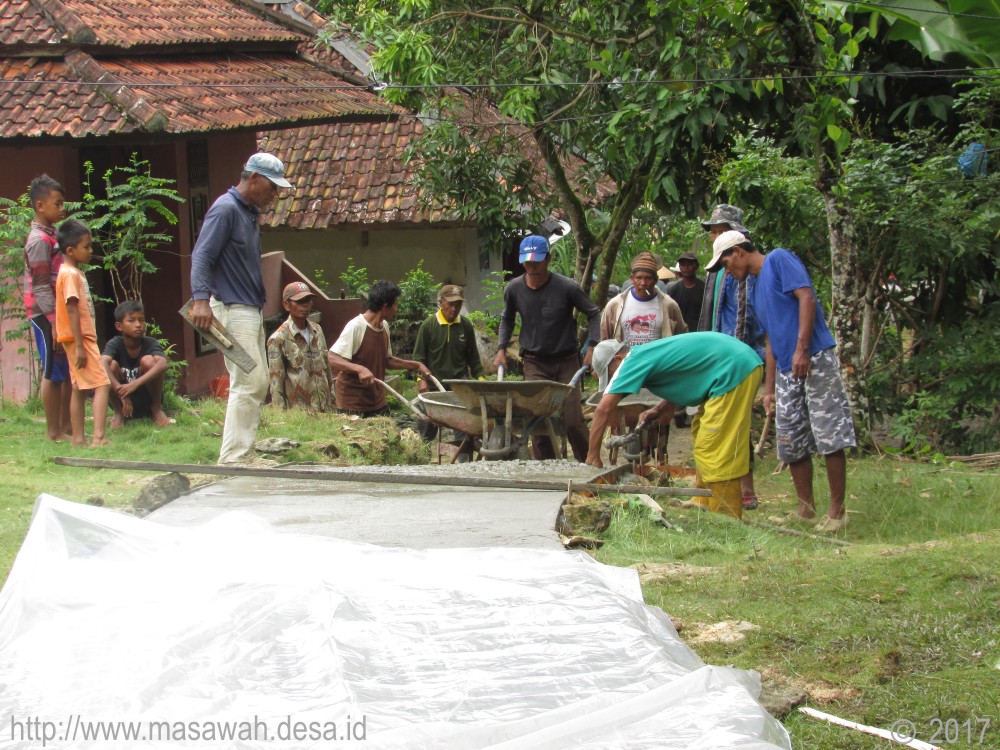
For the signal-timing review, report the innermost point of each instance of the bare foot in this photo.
(160, 419)
(58, 438)
(97, 442)
(79, 443)
(117, 422)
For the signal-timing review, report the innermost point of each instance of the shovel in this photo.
(617, 441)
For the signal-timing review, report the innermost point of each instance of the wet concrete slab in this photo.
(415, 516)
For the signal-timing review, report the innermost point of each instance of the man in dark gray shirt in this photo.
(225, 268)
(547, 303)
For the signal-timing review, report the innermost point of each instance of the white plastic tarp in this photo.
(231, 635)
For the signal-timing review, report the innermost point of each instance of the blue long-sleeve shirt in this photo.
(225, 261)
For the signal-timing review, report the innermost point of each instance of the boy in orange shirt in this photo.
(75, 330)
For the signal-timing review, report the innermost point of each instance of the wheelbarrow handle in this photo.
(437, 383)
(419, 414)
(578, 376)
(499, 373)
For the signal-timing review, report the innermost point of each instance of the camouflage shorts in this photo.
(813, 415)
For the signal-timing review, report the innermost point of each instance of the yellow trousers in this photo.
(721, 432)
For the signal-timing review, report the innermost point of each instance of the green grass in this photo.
(903, 624)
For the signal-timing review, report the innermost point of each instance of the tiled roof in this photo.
(85, 68)
(22, 22)
(141, 23)
(348, 173)
(259, 91)
(51, 103)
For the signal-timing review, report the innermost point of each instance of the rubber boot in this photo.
(705, 503)
(727, 498)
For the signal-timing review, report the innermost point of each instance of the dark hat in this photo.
(533, 247)
(726, 214)
(268, 165)
(687, 256)
(451, 293)
(297, 290)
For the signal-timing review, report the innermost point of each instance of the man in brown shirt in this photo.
(363, 353)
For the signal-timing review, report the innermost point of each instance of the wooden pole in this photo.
(400, 477)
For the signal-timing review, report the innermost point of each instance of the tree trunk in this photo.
(848, 299)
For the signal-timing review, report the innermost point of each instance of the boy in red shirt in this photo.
(42, 261)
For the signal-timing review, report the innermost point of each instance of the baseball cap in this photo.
(297, 290)
(533, 247)
(268, 165)
(687, 256)
(604, 352)
(726, 214)
(451, 293)
(724, 242)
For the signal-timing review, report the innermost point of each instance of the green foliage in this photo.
(481, 176)
(175, 367)
(356, 279)
(126, 223)
(419, 294)
(957, 372)
(488, 318)
(15, 223)
(777, 191)
(319, 278)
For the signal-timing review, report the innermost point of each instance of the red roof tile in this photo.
(182, 94)
(133, 23)
(23, 23)
(338, 184)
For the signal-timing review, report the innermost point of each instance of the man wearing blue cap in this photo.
(547, 303)
(227, 285)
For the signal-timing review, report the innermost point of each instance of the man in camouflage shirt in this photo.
(296, 355)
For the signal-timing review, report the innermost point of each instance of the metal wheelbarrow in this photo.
(629, 409)
(509, 412)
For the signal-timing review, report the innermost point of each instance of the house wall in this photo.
(452, 256)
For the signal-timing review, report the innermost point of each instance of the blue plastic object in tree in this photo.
(972, 162)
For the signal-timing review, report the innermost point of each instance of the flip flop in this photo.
(750, 502)
(832, 525)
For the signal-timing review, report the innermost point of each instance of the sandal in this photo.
(750, 502)
(832, 525)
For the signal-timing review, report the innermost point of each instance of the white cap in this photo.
(604, 352)
(269, 166)
(725, 241)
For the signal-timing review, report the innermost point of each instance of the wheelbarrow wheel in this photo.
(494, 441)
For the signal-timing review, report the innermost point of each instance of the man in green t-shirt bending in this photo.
(713, 371)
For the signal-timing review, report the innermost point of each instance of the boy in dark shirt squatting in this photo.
(137, 366)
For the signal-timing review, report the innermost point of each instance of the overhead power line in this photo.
(953, 14)
(291, 86)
